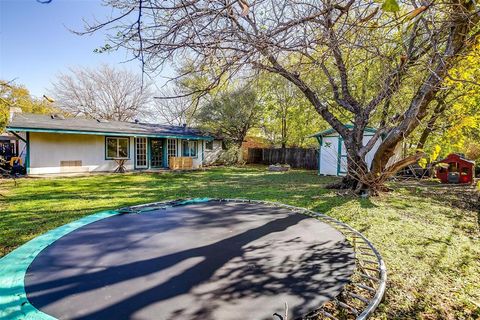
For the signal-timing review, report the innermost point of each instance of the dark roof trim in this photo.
(101, 133)
(8, 138)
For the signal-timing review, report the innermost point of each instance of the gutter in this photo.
(106, 133)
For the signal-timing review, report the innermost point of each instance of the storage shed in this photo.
(456, 169)
(332, 156)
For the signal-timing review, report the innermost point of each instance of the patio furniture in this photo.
(181, 163)
(120, 165)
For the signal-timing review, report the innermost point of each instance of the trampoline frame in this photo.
(358, 299)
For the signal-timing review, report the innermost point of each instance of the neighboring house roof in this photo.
(7, 137)
(331, 130)
(27, 122)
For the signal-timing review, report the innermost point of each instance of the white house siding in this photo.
(47, 150)
(198, 160)
(211, 156)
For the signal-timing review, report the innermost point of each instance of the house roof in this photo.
(331, 130)
(28, 122)
(7, 137)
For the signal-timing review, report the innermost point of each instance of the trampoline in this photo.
(188, 259)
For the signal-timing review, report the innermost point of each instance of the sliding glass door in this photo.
(156, 153)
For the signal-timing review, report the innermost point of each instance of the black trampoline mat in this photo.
(213, 260)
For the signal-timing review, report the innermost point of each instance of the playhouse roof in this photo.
(331, 130)
(452, 157)
(28, 122)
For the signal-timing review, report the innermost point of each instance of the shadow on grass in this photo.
(251, 265)
(37, 205)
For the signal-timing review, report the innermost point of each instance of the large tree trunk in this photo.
(365, 182)
(360, 179)
(426, 93)
(357, 168)
(357, 172)
(429, 39)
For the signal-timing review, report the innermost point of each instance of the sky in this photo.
(36, 45)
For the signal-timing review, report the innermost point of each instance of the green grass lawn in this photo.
(431, 244)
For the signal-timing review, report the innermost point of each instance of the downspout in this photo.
(339, 156)
(27, 156)
(319, 139)
(134, 153)
(165, 153)
(149, 150)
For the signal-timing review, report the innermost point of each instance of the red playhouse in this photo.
(456, 169)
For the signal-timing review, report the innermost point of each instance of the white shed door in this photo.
(329, 156)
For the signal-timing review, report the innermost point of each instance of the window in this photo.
(117, 148)
(189, 148)
(224, 145)
(209, 145)
(453, 167)
(141, 152)
(172, 148)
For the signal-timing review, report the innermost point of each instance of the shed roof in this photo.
(28, 122)
(331, 130)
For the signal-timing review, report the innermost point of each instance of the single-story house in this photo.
(213, 150)
(332, 153)
(55, 144)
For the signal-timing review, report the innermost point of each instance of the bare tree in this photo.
(174, 111)
(103, 93)
(173, 107)
(377, 63)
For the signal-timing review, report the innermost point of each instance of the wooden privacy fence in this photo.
(295, 157)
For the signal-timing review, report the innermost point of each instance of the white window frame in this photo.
(145, 143)
(171, 149)
(190, 142)
(206, 143)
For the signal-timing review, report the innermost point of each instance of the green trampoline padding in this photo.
(14, 304)
(13, 267)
